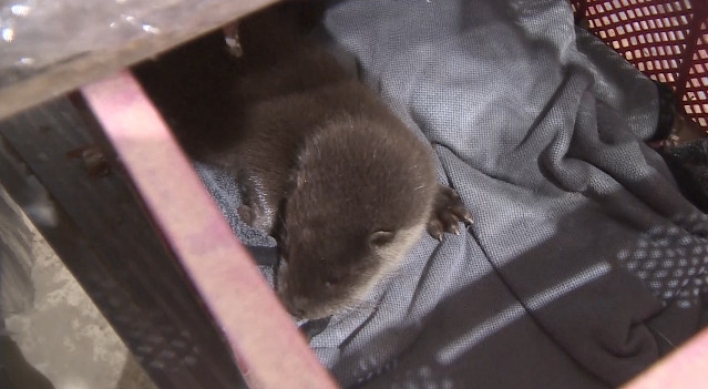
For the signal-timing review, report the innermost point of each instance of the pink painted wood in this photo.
(269, 350)
(685, 368)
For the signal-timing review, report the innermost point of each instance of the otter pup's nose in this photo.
(295, 305)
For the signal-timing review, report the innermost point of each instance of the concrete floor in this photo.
(55, 324)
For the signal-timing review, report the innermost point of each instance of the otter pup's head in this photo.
(359, 198)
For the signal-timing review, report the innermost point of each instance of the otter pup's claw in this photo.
(467, 218)
(435, 229)
(245, 213)
(454, 229)
(448, 211)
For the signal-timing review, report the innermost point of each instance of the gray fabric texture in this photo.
(585, 264)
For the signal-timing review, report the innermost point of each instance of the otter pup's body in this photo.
(321, 162)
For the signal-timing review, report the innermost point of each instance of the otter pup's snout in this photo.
(296, 305)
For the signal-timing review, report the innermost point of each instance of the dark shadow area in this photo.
(553, 317)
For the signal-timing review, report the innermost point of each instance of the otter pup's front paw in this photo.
(447, 212)
(254, 217)
(246, 214)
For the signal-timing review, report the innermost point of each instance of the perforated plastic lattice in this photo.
(665, 39)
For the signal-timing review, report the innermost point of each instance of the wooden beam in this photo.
(192, 19)
(99, 231)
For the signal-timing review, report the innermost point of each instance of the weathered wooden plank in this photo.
(193, 20)
(265, 341)
(67, 241)
(97, 228)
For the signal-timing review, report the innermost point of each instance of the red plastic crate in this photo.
(665, 39)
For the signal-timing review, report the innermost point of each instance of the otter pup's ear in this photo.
(380, 238)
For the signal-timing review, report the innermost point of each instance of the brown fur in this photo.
(322, 163)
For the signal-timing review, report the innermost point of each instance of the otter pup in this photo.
(323, 165)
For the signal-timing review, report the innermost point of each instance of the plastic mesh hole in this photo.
(653, 36)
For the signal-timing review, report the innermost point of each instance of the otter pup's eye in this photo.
(382, 237)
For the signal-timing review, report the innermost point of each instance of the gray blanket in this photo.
(585, 264)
